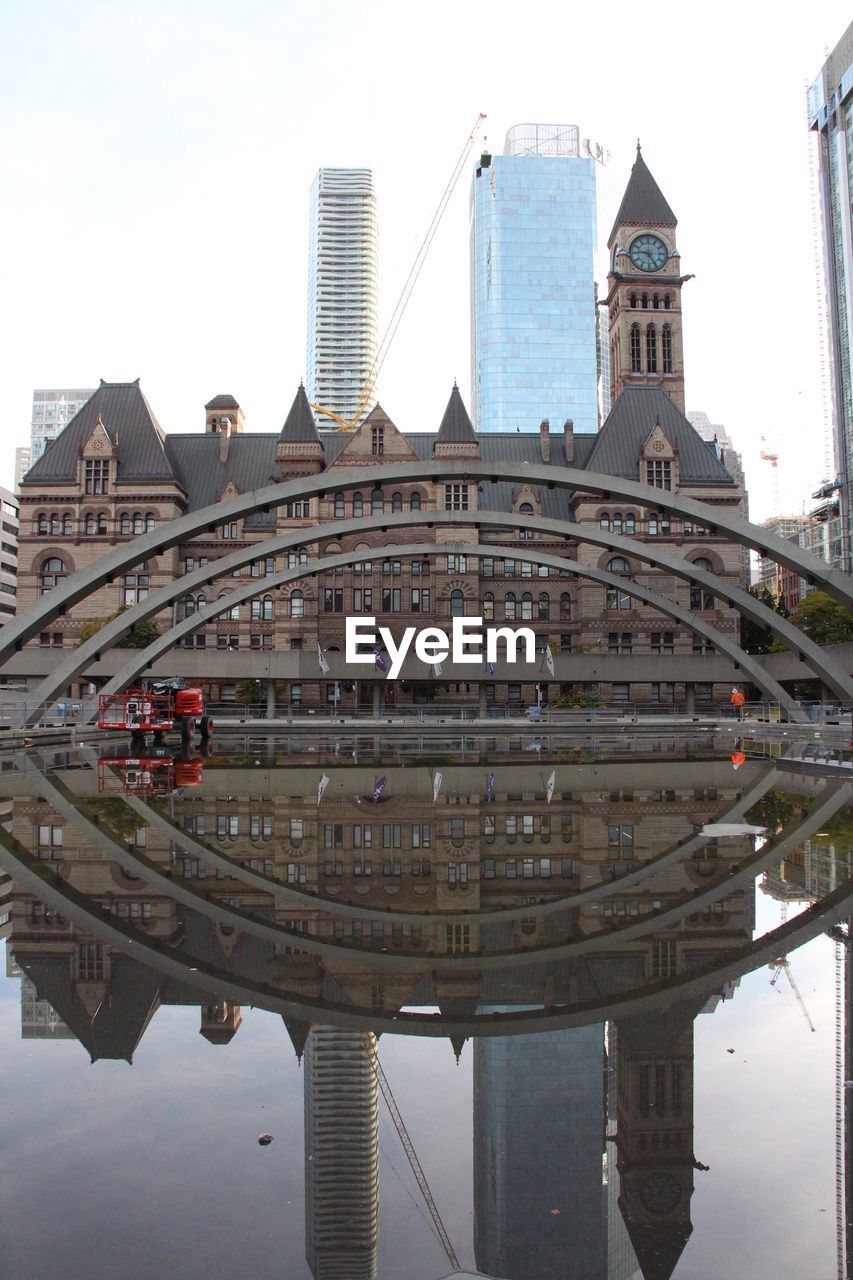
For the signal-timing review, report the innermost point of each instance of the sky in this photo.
(156, 161)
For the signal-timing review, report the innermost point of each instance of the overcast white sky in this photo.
(156, 159)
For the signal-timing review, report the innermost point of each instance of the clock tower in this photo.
(644, 291)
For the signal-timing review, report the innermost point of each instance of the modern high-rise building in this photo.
(23, 462)
(536, 348)
(8, 555)
(342, 290)
(53, 409)
(540, 1202)
(341, 1156)
(830, 110)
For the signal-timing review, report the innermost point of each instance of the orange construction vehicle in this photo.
(158, 707)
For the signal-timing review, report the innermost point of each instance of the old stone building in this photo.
(114, 473)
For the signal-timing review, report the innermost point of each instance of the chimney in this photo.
(569, 439)
(545, 440)
(224, 438)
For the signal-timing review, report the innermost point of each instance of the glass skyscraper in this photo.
(342, 289)
(830, 105)
(535, 347)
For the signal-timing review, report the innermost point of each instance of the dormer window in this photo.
(659, 473)
(377, 441)
(96, 475)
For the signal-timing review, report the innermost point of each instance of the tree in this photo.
(140, 635)
(823, 619)
(754, 636)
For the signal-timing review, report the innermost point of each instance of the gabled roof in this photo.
(125, 414)
(456, 426)
(631, 421)
(643, 202)
(299, 425)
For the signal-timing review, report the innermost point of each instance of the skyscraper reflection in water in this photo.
(341, 1156)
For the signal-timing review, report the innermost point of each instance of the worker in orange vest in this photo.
(737, 700)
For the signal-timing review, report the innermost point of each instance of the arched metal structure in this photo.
(77, 659)
(142, 658)
(31, 620)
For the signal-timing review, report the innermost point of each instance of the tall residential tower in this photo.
(535, 349)
(342, 289)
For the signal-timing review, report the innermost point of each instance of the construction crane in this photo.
(780, 965)
(350, 424)
(408, 1147)
(773, 458)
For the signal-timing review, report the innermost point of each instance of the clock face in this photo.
(660, 1193)
(648, 253)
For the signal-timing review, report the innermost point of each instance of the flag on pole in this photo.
(324, 782)
(490, 667)
(549, 790)
(378, 787)
(436, 786)
(490, 789)
(321, 658)
(378, 659)
(549, 659)
(437, 669)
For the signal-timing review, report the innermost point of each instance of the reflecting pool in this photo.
(563, 1007)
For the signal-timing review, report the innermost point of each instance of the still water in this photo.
(501, 1005)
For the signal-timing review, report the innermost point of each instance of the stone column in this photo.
(270, 699)
(377, 695)
(690, 697)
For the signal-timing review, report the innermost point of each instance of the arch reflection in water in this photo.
(604, 957)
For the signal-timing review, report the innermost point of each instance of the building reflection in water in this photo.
(584, 1160)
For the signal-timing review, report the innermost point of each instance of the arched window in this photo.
(138, 522)
(633, 300)
(266, 610)
(544, 606)
(457, 604)
(488, 607)
(645, 301)
(700, 598)
(297, 604)
(666, 348)
(565, 607)
(509, 606)
(340, 506)
(604, 522)
(526, 509)
(617, 521)
(377, 506)
(651, 349)
(396, 502)
(189, 606)
(67, 525)
(636, 350)
(150, 521)
(630, 524)
(415, 502)
(526, 607)
(42, 524)
(357, 506)
(124, 522)
(52, 572)
(667, 302)
(615, 597)
(656, 302)
(56, 525)
(91, 525)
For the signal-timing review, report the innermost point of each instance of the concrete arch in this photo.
(37, 878)
(32, 619)
(77, 659)
(142, 658)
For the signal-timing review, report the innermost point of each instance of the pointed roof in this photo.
(299, 425)
(658, 1248)
(456, 426)
(643, 201)
(126, 415)
(298, 1032)
(631, 421)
